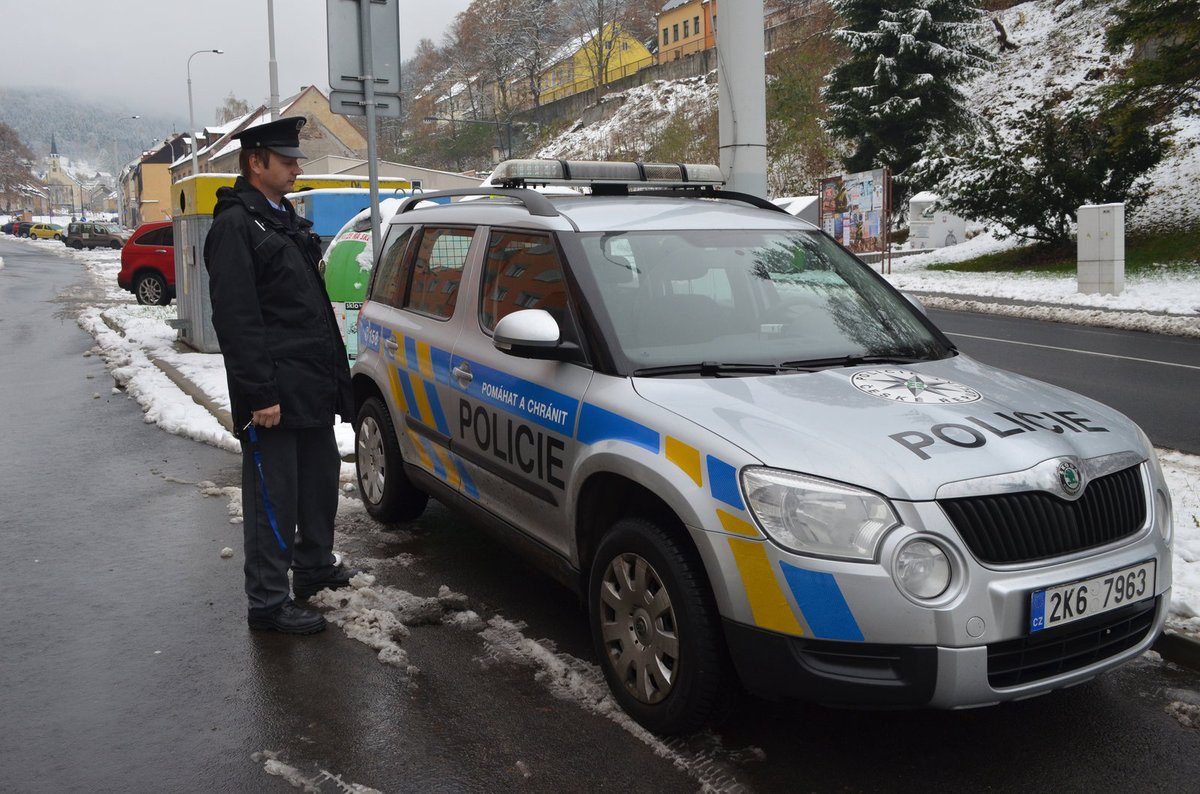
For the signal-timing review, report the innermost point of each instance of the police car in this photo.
(754, 460)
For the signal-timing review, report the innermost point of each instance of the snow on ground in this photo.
(631, 120)
(1166, 300)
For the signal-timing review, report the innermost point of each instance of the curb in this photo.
(1178, 648)
(202, 399)
(1155, 322)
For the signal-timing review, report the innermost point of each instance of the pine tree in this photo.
(898, 92)
(1163, 74)
(1031, 180)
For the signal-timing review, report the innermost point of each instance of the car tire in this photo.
(385, 489)
(114, 245)
(667, 667)
(78, 246)
(151, 290)
(58, 237)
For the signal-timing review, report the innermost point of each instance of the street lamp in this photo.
(191, 115)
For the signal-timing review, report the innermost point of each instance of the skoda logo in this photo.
(906, 386)
(1069, 477)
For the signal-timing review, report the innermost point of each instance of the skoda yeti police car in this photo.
(753, 459)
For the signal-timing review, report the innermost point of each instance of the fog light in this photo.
(922, 569)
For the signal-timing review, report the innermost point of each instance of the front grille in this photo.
(1035, 525)
(1056, 651)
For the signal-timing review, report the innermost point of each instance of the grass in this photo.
(1144, 253)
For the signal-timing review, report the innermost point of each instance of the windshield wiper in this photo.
(852, 361)
(717, 369)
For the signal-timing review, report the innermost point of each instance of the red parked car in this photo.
(148, 264)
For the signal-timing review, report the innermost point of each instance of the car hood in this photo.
(900, 430)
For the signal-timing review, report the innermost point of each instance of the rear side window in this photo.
(389, 282)
(161, 237)
(437, 271)
(522, 271)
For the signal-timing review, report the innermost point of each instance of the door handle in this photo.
(392, 345)
(462, 374)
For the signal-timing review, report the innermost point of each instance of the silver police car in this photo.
(751, 457)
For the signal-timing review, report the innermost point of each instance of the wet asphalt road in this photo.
(126, 664)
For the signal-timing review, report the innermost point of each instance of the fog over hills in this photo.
(84, 129)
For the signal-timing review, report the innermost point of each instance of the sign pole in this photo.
(368, 78)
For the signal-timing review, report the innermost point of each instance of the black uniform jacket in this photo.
(272, 316)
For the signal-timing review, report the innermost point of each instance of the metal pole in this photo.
(191, 114)
(368, 77)
(117, 181)
(741, 99)
(272, 67)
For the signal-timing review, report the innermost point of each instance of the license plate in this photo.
(1066, 603)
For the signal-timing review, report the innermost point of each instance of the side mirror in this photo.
(915, 301)
(532, 333)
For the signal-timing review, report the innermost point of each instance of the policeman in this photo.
(288, 378)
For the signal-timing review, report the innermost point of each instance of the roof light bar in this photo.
(599, 172)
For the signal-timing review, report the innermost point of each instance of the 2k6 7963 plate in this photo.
(1066, 603)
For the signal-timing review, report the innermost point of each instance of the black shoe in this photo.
(337, 578)
(288, 619)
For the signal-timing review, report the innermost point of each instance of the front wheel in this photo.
(114, 244)
(386, 491)
(656, 629)
(151, 290)
(58, 237)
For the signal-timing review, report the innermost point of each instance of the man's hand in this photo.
(267, 417)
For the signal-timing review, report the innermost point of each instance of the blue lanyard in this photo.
(262, 480)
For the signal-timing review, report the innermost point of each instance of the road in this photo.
(127, 665)
(1152, 379)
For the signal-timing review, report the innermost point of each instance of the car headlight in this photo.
(818, 517)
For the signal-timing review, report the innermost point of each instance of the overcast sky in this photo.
(136, 51)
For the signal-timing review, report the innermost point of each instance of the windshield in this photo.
(748, 296)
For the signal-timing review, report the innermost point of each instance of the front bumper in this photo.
(898, 676)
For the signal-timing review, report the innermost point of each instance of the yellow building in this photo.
(686, 26)
(573, 69)
(147, 183)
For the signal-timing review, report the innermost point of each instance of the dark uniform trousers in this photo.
(301, 469)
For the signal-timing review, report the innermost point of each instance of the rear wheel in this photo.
(656, 629)
(151, 290)
(386, 491)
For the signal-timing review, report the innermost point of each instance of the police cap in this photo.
(281, 136)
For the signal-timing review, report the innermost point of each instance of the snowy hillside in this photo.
(1060, 52)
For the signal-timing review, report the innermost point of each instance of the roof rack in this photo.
(535, 202)
(512, 179)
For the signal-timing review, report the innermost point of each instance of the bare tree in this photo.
(538, 34)
(596, 25)
(232, 108)
(15, 159)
